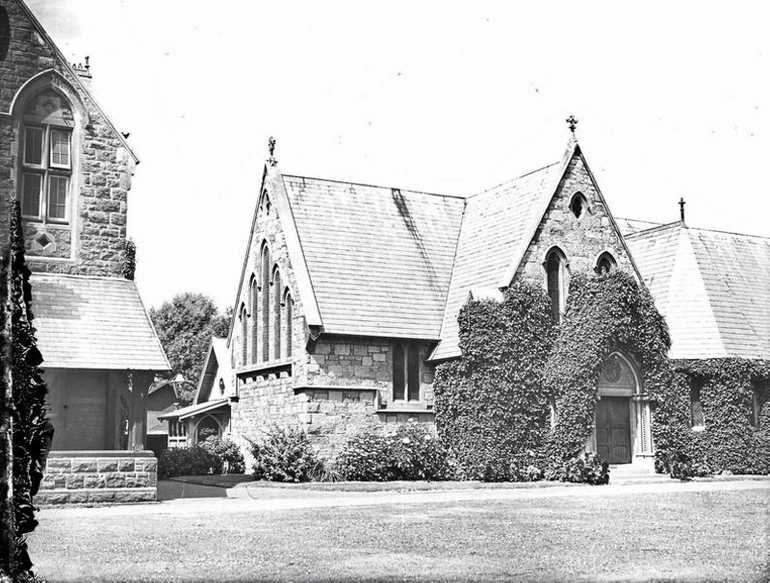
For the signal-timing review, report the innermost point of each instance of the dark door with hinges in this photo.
(613, 430)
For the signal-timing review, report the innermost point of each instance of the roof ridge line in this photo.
(351, 183)
(511, 180)
(653, 229)
(80, 276)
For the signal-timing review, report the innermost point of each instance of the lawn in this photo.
(608, 535)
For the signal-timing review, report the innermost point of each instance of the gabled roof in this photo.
(74, 77)
(497, 223)
(379, 258)
(216, 368)
(711, 286)
(94, 323)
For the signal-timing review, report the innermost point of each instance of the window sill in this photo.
(264, 369)
(303, 388)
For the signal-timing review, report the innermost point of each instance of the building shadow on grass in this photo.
(176, 489)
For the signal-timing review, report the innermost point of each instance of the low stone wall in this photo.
(99, 477)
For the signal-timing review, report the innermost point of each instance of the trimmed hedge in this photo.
(412, 452)
(730, 442)
(188, 461)
(490, 405)
(604, 313)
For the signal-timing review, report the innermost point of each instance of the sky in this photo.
(672, 98)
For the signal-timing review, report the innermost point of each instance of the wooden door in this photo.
(613, 430)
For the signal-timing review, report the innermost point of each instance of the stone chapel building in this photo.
(70, 169)
(349, 295)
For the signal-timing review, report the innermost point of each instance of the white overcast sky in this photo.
(673, 100)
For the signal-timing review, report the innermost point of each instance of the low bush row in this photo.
(410, 452)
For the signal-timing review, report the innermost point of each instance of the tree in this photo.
(185, 326)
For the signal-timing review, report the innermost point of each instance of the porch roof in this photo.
(193, 410)
(93, 323)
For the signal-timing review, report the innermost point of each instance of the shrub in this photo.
(228, 452)
(586, 469)
(188, 461)
(411, 452)
(285, 456)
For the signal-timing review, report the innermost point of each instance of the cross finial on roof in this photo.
(572, 124)
(681, 208)
(271, 150)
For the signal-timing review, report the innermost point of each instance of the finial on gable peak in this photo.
(572, 125)
(271, 150)
(681, 208)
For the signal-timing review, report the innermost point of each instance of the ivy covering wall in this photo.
(494, 405)
(734, 397)
(491, 409)
(605, 313)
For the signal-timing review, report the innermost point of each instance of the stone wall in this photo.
(581, 239)
(99, 477)
(92, 241)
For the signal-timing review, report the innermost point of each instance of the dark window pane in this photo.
(57, 197)
(254, 321)
(398, 372)
(33, 146)
(553, 269)
(696, 407)
(289, 316)
(413, 373)
(265, 313)
(30, 197)
(277, 315)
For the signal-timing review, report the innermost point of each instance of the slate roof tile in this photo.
(712, 288)
(379, 258)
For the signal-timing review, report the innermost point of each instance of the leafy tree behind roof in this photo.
(185, 326)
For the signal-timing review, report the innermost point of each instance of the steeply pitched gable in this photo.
(504, 228)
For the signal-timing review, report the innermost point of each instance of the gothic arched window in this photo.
(288, 303)
(606, 263)
(264, 320)
(254, 308)
(556, 276)
(244, 334)
(46, 158)
(276, 313)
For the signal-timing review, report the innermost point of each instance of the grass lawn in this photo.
(680, 536)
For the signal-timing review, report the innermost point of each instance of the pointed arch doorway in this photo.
(622, 430)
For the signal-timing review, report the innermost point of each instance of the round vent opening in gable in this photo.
(578, 204)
